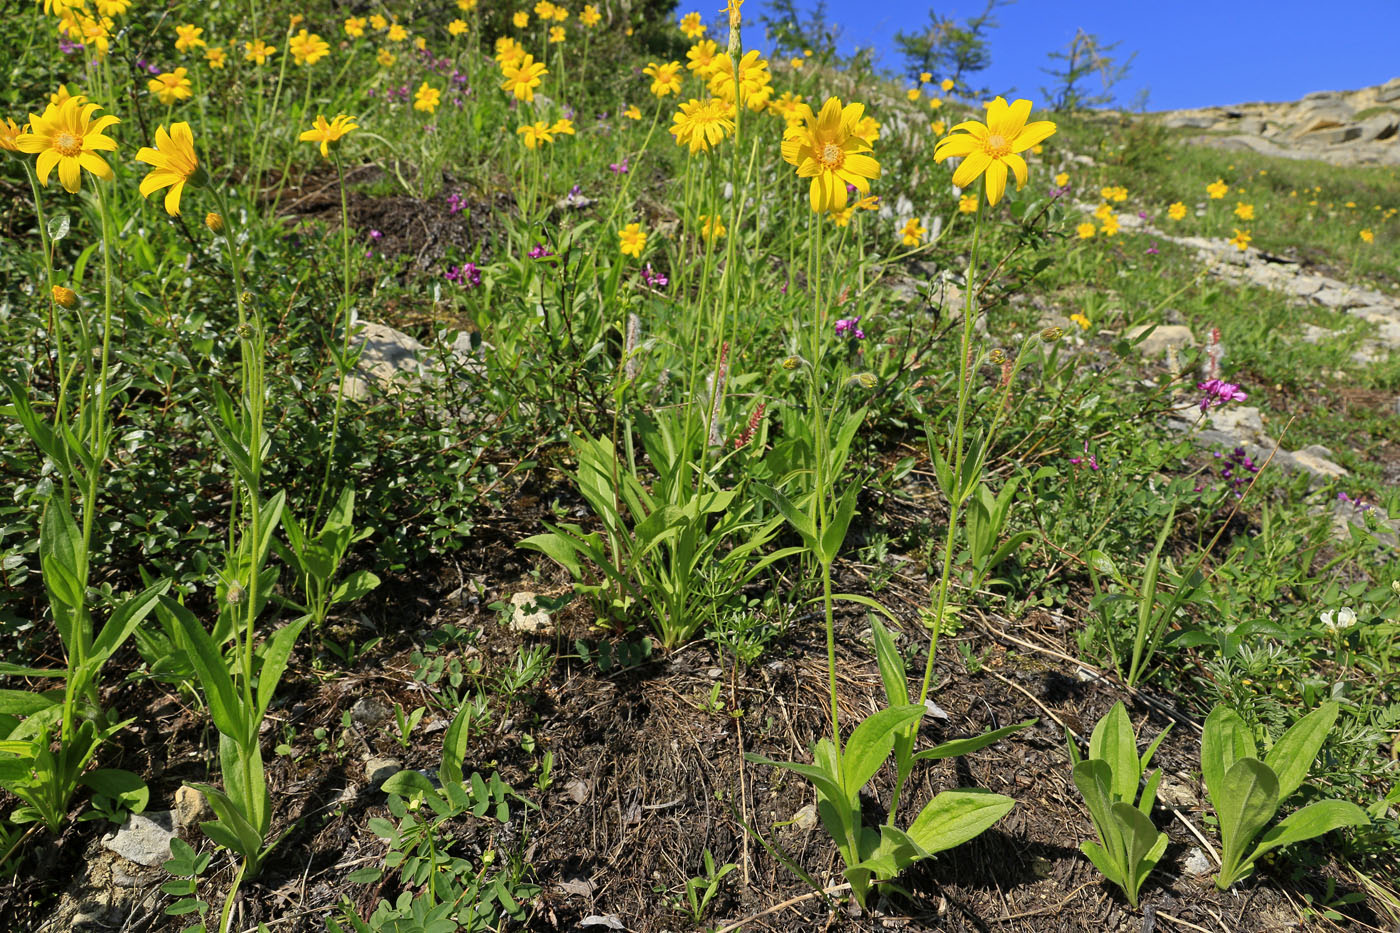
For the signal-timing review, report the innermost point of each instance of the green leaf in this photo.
(827, 783)
(1310, 822)
(63, 561)
(1292, 757)
(1114, 741)
(1141, 838)
(354, 586)
(125, 619)
(407, 784)
(454, 745)
(1249, 799)
(1224, 740)
(122, 786)
(956, 747)
(23, 702)
(835, 532)
(800, 522)
(1094, 778)
(276, 651)
(870, 744)
(59, 225)
(955, 816)
(224, 706)
(558, 548)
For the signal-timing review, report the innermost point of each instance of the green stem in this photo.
(343, 315)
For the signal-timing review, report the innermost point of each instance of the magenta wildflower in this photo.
(1153, 250)
(654, 279)
(1217, 393)
(541, 252)
(455, 203)
(618, 168)
(851, 326)
(375, 235)
(1088, 459)
(466, 274)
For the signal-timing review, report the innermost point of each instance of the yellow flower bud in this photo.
(214, 222)
(65, 297)
(1051, 334)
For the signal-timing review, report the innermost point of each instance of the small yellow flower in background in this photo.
(913, 232)
(590, 16)
(1078, 318)
(925, 77)
(355, 26)
(967, 204)
(1367, 236)
(521, 19)
(665, 79)
(938, 127)
(992, 148)
(1217, 189)
(325, 133)
(692, 27)
(1103, 211)
(508, 50)
(456, 27)
(561, 13)
(711, 227)
(188, 37)
(563, 126)
(214, 222)
(631, 240)
(701, 125)
(61, 96)
(171, 86)
(258, 51)
(628, 31)
(385, 58)
(544, 9)
(807, 53)
(702, 57)
(426, 98)
(466, 6)
(173, 162)
(65, 297)
(295, 21)
(523, 76)
(9, 132)
(1109, 225)
(113, 7)
(1351, 204)
(827, 148)
(1176, 211)
(935, 102)
(1244, 211)
(534, 134)
(216, 58)
(1086, 230)
(68, 138)
(871, 202)
(397, 33)
(842, 218)
(1061, 179)
(947, 85)
(913, 93)
(307, 48)
(732, 7)
(632, 112)
(755, 81)
(556, 34)
(1240, 240)
(797, 63)
(378, 22)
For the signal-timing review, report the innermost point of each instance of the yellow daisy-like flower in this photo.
(325, 132)
(258, 51)
(456, 27)
(755, 81)
(563, 126)
(355, 26)
(967, 204)
(536, 134)
(1240, 240)
(307, 48)
(992, 147)
(631, 240)
(171, 86)
(788, 106)
(1061, 179)
(947, 85)
(665, 79)
(1217, 189)
(842, 218)
(216, 58)
(508, 50)
(61, 96)
(426, 98)
(691, 26)
(466, 6)
(65, 297)
(9, 132)
(868, 129)
(1103, 211)
(113, 7)
(935, 102)
(1110, 225)
(561, 13)
(397, 33)
(188, 37)
(1086, 230)
(521, 19)
(925, 77)
(797, 63)
(1367, 236)
(376, 21)
(1080, 319)
(913, 232)
(67, 137)
(544, 9)
(702, 57)
(1176, 211)
(590, 16)
(938, 127)
(556, 34)
(711, 227)
(913, 93)
(1244, 211)
(214, 222)
(385, 58)
(826, 149)
(96, 34)
(523, 76)
(173, 162)
(701, 125)
(632, 112)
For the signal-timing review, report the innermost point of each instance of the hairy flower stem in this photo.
(343, 316)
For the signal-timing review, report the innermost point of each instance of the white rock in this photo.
(144, 838)
(1161, 338)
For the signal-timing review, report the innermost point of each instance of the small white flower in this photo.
(1339, 620)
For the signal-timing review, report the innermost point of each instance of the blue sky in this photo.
(1191, 53)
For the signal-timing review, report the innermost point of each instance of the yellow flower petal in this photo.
(1018, 165)
(996, 181)
(1032, 135)
(971, 167)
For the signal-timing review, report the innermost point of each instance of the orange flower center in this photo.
(67, 144)
(996, 146)
(831, 156)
